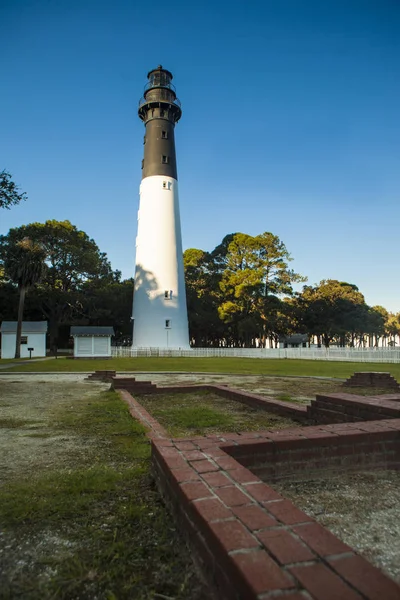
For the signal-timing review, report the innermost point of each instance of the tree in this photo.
(25, 266)
(202, 292)
(332, 309)
(255, 277)
(9, 191)
(72, 259)
(108, 301)
(392, 328)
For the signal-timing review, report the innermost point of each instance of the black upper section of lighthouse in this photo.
(159, 109)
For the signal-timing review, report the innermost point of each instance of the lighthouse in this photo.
(159, 301)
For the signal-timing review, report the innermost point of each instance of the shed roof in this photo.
(295, 338)
(27, 326)
(91, 330)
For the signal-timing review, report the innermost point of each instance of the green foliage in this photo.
(72, 259)
(24, 262)
(202, 294)
(255, 277)
(9, 191)
(333, 309)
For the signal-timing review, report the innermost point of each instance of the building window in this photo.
(24, 339)
(167, 323)
(165, 159)
(164, 135)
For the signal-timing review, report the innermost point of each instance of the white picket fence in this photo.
(374, 355)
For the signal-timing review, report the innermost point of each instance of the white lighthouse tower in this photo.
(159, 301)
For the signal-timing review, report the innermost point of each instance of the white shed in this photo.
(92, 341)
(33, 336)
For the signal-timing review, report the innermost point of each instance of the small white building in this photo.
(296, 340)
(33, 336)
(92, 341)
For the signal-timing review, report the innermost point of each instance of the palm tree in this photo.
(25, 266)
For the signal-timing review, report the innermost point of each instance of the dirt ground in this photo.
(362, 509)
(28, 439)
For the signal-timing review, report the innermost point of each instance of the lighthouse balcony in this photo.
(159, 95)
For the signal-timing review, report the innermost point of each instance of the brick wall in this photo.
(249, 541)
(341, 408)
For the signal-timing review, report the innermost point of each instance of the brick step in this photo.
(131, 381)
(101, 374)
(133, 386)
(372, 379)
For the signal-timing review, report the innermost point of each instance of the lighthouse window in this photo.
(164, 135)
(142, 163)
(161, 113)
(165, 159)
(164, 184)
(168, 294)
(167, 323)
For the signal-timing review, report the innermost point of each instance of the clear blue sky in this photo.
(291, 124)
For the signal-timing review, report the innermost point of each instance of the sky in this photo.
(290, 124)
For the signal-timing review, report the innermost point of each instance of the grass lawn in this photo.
(253, 366)
(203, 413)
(93, 526)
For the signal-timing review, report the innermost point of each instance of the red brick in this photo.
(320, 539)
(195, 490)
(216, 479)
(193, 455)
(367, 579)
(211, 509)
(175, 462)
(205, 443)
(181, 475)
(232, 496)
(254, 517)
(214, 452)
(243, 475)
(250, 435)
(260, 573)
(232, 535)
(323, 584)
(287, 512)
(204, 466)
(164, 443)
(185, 446)
(284, 546)
(262, 492)
(227, 462)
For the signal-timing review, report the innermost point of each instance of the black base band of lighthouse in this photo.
(159, 302)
